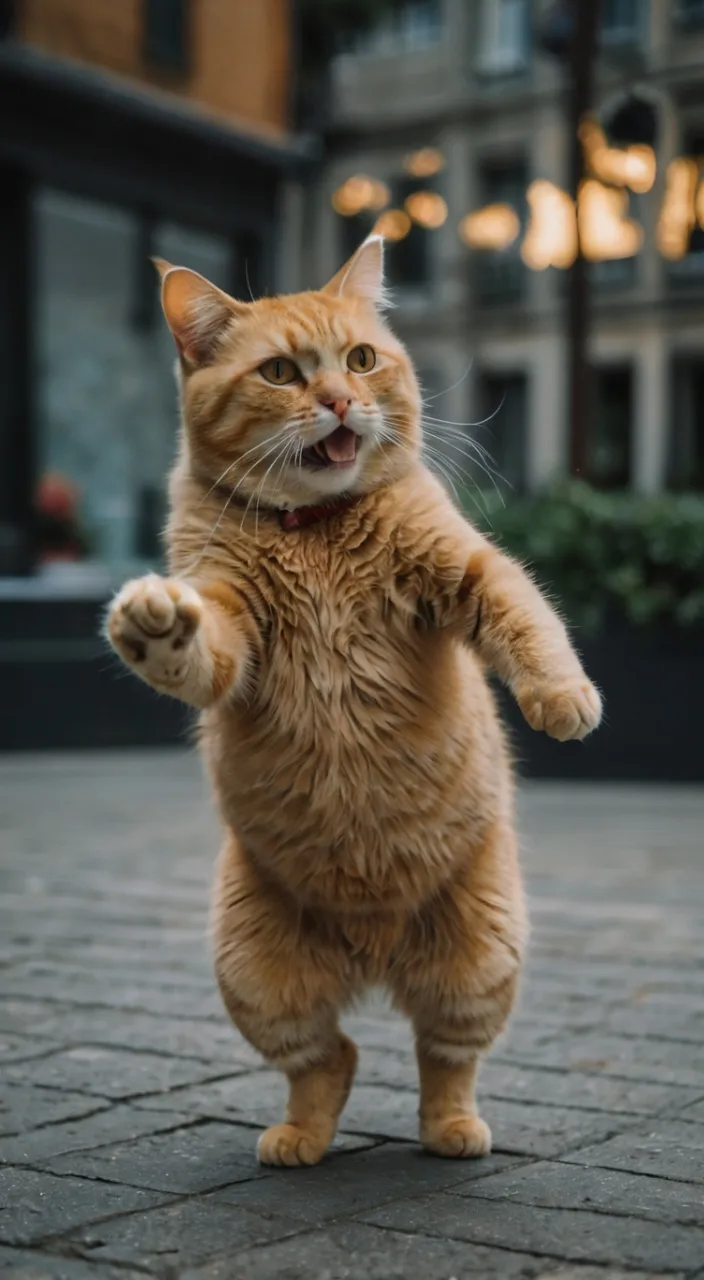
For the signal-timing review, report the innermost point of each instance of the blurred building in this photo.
(462, 100)
(127, 128)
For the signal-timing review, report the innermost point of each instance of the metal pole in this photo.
(582, 56)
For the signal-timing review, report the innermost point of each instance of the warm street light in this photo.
(682, 206)
(360, 192)
(551, 238)
(494, 227)
(634, 166)
(425, 162)
(426, 208)
(604, 230)
(395, 224)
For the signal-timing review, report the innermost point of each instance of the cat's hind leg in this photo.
(456, 978)
(283, 984)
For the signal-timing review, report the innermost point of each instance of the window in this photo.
(686, 461)
(690, 12)
(106, 400)
(408, 260)
(634, 119)
(166, 33)
(690, 268)
(610, 444)
(623, 21)
(406, 27)
(504, 36)
(503, 399)
(620, 273)
(499, 274)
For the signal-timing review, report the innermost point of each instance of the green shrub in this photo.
(595, 553)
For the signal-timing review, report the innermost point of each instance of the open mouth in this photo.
(335, 452)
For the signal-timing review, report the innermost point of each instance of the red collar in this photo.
(301, 517)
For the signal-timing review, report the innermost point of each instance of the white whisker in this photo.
(448, 422)
(454, 386)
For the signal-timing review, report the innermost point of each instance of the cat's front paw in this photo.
(151, 624)
(565, 711)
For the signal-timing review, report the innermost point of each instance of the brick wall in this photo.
(239, 50)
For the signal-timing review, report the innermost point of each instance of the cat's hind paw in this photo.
(290, 1145)
(464, 1138)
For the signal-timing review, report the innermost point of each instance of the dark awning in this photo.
(75, 126)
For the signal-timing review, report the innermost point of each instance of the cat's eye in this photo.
(279, 370)
(361, 359)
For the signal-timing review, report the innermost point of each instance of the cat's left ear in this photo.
(363, 275)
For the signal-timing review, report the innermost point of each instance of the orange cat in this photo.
(333, 616)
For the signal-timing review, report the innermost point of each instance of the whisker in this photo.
(491, 474)
(241, 458)
(454, 386)
(449, 470)
(460, 443)
(259, 488)
(466, 447)
(230, 496)
(246, 278)
(481, 423)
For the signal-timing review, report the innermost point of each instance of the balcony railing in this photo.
(688, 273)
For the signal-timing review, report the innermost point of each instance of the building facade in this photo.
(471, 84)
(130, 129)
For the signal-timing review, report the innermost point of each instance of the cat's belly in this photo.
(368, 789)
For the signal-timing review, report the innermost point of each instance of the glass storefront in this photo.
(104, 367)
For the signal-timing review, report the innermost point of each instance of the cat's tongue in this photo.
(341, 446)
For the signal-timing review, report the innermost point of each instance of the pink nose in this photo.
(338, 407)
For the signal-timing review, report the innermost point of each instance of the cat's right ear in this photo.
(196, 311)
(363, 275)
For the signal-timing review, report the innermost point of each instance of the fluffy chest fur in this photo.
(352, 769)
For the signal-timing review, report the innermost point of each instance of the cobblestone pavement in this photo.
(130, 1108)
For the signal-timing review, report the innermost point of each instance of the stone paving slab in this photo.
(194, 1230)
(365, 1253)
(24, 1108)
(560, 1233)
(110, 1073)
(34, 1205)
(204, 1156)
(559, 1186)
(670, 1148)
(100, 1129)
(19, 1264)
(129, 1108)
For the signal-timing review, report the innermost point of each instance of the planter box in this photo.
(61, 687)
(652, 680)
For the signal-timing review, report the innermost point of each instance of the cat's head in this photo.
(294, 400)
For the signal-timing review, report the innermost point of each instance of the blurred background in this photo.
(537, 169)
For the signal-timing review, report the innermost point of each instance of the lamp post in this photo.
(571, 32)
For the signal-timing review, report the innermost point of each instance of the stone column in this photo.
(650, 412)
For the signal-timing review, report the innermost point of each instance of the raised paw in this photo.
(463, 1138)
(290, 1145)
(565, 711)
(151, 624)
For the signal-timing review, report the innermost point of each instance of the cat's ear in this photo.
(363, 275)
(196, 311)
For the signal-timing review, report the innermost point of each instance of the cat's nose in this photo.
(338, 407)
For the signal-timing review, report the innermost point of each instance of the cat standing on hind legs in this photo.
(333, 617)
